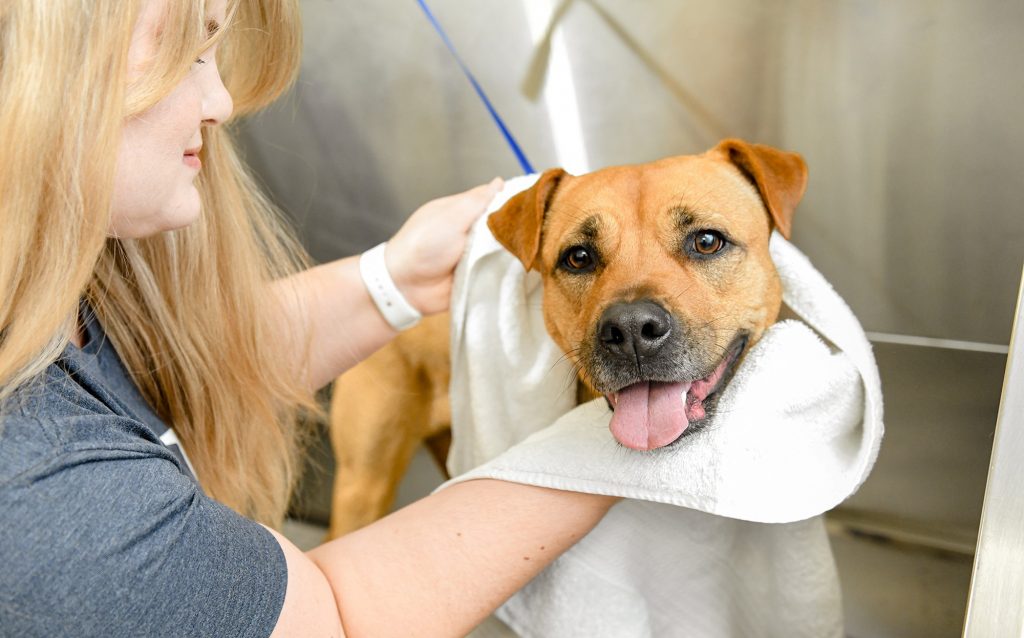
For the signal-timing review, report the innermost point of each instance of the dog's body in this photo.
(657, 279)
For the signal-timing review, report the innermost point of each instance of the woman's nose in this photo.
(217, 103)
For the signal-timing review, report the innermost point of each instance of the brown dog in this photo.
(657, 280)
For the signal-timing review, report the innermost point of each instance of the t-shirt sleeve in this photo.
(118, 542)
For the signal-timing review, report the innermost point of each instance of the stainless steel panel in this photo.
(891, 590)
(997, 589)
(940, 412)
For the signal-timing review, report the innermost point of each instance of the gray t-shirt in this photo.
(104, 530)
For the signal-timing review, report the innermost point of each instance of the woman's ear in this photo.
(518, 224)
(780, 177)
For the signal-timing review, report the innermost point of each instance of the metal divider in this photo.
(995, 606)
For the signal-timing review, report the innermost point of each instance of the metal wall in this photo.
(907, 112)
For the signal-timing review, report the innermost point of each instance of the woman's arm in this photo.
(437, 567)
(330, 320)
(329, 308)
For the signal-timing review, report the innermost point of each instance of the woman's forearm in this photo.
(328, 311)
(330, 319)
(441, 565)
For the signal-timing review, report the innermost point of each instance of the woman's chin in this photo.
(142, 226)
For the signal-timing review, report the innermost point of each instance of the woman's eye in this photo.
(578, 259)
(708, 242)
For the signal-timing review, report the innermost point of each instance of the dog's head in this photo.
(657, 277)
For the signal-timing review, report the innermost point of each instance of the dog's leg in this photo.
(371, 415)
(381, 411)
(438, 446)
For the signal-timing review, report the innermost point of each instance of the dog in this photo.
(656, 281)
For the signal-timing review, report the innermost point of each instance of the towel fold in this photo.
(722, 535)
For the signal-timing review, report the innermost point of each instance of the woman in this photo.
(159, 337)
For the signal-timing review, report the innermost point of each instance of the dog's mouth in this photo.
(652, 414)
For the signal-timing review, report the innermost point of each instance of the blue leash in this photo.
(523, 162)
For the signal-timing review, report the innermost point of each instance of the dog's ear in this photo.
(780, 177)
(518, 224)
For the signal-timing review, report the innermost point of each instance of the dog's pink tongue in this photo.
(650, 415)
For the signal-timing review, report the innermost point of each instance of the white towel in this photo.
(723, 534)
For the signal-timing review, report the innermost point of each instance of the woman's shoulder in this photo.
(104, 534)
(54, 416)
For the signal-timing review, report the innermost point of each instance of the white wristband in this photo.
(389, 299)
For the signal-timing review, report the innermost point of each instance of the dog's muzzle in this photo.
(649, 377)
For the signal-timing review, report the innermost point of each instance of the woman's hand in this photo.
(422, 255)
(328, 314)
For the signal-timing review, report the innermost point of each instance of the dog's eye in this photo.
(708, 242)
(578, 259)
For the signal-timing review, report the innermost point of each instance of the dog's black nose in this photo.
(634, 330)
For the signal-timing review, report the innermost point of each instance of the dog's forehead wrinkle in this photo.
(688, 215)
(572, 219)
(589, 228)
(710, 190)
(683, 216)
(561, 214)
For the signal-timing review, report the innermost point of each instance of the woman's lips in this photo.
(191, 157)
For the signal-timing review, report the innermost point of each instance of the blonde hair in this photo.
(188, 311)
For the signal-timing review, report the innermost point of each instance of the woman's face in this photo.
(158, 157)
